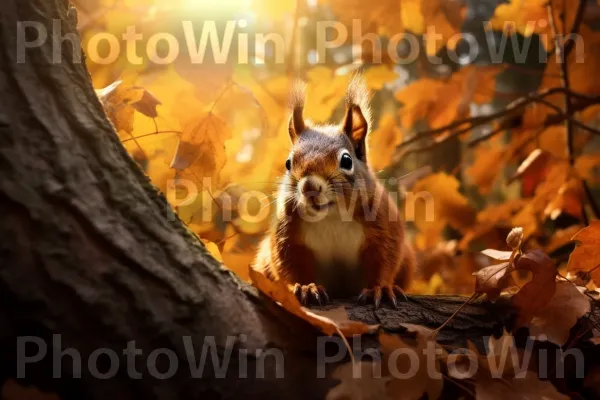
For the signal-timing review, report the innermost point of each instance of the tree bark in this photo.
(91, 251)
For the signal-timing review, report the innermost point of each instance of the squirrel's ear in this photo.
(357, 120)
(297, 99)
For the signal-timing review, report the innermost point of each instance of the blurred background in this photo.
(454, 113)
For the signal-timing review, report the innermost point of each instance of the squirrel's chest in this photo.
(334, 242)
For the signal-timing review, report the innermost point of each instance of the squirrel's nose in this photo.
(310, 186)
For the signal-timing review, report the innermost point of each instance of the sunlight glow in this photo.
(218, 5)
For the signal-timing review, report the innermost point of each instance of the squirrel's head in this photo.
(327, 163)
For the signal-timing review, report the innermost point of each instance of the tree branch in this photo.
(561, 55)
(583, 102)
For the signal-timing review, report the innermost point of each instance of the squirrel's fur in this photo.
(336, 230)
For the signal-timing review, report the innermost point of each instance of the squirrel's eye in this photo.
(346, 162)
(288, 164)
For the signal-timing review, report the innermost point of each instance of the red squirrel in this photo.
(337, 232)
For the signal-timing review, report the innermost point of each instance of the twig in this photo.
(486, 136)
(513, 108)
(149, 134)
(564, 75)
(568, 118)
(575, 28)
(473, 297)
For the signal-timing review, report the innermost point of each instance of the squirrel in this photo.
(337, 231)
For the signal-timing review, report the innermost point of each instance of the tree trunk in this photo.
(91, 251)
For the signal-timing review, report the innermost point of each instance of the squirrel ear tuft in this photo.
(296, 104)
(357, 121)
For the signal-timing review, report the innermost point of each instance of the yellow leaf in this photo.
(201, 147)
(441, 102)
(449, 205)
(521, 16)
(383, 142)
(324, 92)
(118, 100)
(378, 76)
(213, 250)
(486, 167)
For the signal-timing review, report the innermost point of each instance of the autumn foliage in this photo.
(503, 138)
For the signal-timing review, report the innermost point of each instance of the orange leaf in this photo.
(280, 292)
(556, 319)
(538, 292)
(586, 256)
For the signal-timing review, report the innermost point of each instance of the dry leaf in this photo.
(498, 254)
(529, 387)
(359, 381)
(282, 294)
(201, 148)
(494, 279)
(556, 319)
(586, 256)
(422, 381)
(11, 390)
(538, 292)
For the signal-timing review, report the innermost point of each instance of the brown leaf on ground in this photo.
(400, 358)
(557, 318)
(281, 293)
(359, 381)
(586, 256)
(11, 390)
(528, 388)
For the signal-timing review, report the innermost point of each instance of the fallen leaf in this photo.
(556, 319)
(11, 390)
(398, 357)
(359, 381)
(281, 293)
(529, 387)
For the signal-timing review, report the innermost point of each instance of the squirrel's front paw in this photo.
(311, 293)
(389, 291)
